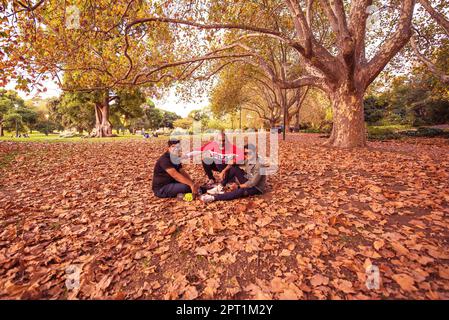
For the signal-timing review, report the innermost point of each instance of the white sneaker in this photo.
(216, 190)
(207, 198)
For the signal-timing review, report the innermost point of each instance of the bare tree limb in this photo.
(439, 17)
(392, 46)
(276, 34)
(429, 64)
(358, 16)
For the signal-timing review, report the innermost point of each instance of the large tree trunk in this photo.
(103, 127)
(297, 120)
(299, 104)
(348, 129)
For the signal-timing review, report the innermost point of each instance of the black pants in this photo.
(209, 168)
(171, 190)
(235, 173)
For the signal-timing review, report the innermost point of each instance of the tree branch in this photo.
(429, 64)
(439, 18)
(273, 33)
(304, 81)
(392, 46)
(358, 16)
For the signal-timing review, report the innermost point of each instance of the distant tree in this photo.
(4, 108)
(10, 103)
(247, 88)
(168, 118)
(13, 122)
(217, 124)
(29, 116)
(374, 109)
(154, 117)
(45, 127)
(53, 113)
(415, 100)
(127, 108)
(185, 123)
(77, 110)
(199, 115)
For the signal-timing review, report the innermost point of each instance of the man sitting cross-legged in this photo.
(169, 178)
(218, 160)
(250, 179)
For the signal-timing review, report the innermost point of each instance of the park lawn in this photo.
(388, 128)
(327, 216)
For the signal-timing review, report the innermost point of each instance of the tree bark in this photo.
(1, 130)
(349, 128)
(299, 103)
(297, 121)
(103, 127)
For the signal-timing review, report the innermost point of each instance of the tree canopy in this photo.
(339, 47)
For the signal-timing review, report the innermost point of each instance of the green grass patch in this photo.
(387, 132)
(390, 132)
(388, 128)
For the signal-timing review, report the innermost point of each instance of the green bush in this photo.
(389, 132)
(427, 132)
(324, 127)
(396, 132)
(46, 127)
(374, 109)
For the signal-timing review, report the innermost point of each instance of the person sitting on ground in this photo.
(220, 157)
(169, 177)
(249, 177)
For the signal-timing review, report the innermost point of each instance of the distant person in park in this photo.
(247, 179)
(169, 177)
(222, 155)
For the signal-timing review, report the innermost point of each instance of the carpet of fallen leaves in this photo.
(328, 215)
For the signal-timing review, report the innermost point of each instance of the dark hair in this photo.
(172, 142)
(250, 146)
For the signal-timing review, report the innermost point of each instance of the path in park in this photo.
(329, 215)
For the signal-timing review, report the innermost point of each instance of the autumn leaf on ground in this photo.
(405, 282)
(65, 206)
(318, 280)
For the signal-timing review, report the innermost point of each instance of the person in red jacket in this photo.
(220, 156)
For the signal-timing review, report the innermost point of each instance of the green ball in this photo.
(188, 197)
